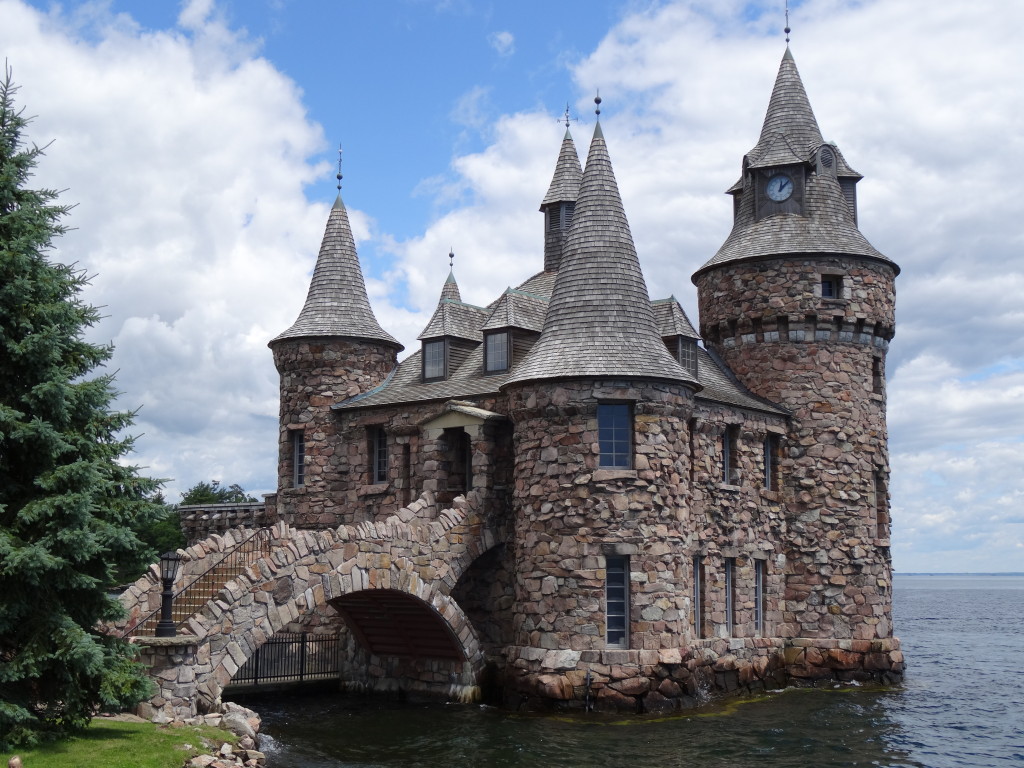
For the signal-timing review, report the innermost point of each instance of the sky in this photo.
(199, 144)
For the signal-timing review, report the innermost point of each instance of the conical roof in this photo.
(789, 114)
(450, 290)
(337, 304)
(565, 184)
(599, 321)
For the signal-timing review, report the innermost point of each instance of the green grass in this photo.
(112, 744)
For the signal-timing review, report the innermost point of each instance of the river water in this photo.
(962, 705)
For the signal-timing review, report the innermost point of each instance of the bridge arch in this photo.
(402, 567)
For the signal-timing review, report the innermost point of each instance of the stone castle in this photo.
(680, 508)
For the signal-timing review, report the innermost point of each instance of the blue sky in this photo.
(199, 142)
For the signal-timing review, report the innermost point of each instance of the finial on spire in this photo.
(339, 167)
(451, 257)
(597, 101)
(787, 29)
(566, 118)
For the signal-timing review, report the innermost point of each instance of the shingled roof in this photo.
(599, 321)
(565, 184)
(672, 319)
(450, 290)
(336, 304)
(790, 136)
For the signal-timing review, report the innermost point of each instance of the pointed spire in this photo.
(789, 114)
(337, 304)
(565, 184)
(599, 321)
(450, 289)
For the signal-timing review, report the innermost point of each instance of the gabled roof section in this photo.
(671, 319)
(517, 309)
(455, 319)
(599, 321)
(565, 184)
(337, 304)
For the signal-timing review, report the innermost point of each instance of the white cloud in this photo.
(186, 214)
(503, 42)
(188, 153)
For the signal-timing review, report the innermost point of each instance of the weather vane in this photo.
(787, 30)
(339, 167)
(565, 118)
(597, 101)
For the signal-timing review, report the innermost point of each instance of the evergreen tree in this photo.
(214, 493)
(67, 503)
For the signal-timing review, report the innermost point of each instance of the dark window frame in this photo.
(731, 455)
(617, 601)
(377, 439)
(298, 448)
(489, 346)
(730, 596)
(760, 576)
(772, 454)
(615, 435)
(831, 286)
(433, 344)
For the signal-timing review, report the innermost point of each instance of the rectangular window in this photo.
(433, 360)
(692, 428)
(759, 577)
(730, 456)
(772, 453)
(730, 596)
(688, 355)
(378, 450)
(496, 356)
(881, 507)
(831, 287)
(876, 375)
(298, 458)
(406, 474)
(615, 435)
(617, 601)
(698, 596)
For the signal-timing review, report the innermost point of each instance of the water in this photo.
(962, 705)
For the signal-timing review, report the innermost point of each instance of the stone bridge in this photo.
(391, 581)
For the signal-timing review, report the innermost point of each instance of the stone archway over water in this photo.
(401, 569)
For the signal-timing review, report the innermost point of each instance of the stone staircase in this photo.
(191, 598)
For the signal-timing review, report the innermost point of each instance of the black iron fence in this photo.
(291, 657)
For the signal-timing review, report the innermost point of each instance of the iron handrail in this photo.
(261, 540)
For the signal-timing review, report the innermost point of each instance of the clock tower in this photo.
(801, 307)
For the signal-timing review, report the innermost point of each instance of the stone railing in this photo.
(200, 521)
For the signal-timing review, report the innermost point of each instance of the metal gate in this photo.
(290, 657)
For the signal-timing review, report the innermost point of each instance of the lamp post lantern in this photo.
(169, 562)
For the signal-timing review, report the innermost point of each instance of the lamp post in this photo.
(169, 562)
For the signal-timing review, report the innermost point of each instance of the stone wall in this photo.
(823, 359)
(315, 374)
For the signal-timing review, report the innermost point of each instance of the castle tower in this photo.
(335, 349)
(600, 412)
(801, 307)
(560, 202)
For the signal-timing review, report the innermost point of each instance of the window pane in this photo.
(433, 360)
(616, 599)
(496, 351)
(614, 434)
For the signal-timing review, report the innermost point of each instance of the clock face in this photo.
(779, 188)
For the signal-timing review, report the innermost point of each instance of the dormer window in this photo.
(497, 352)
(434, 367)
(687, 355)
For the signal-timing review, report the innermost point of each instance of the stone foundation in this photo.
(672, 679)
